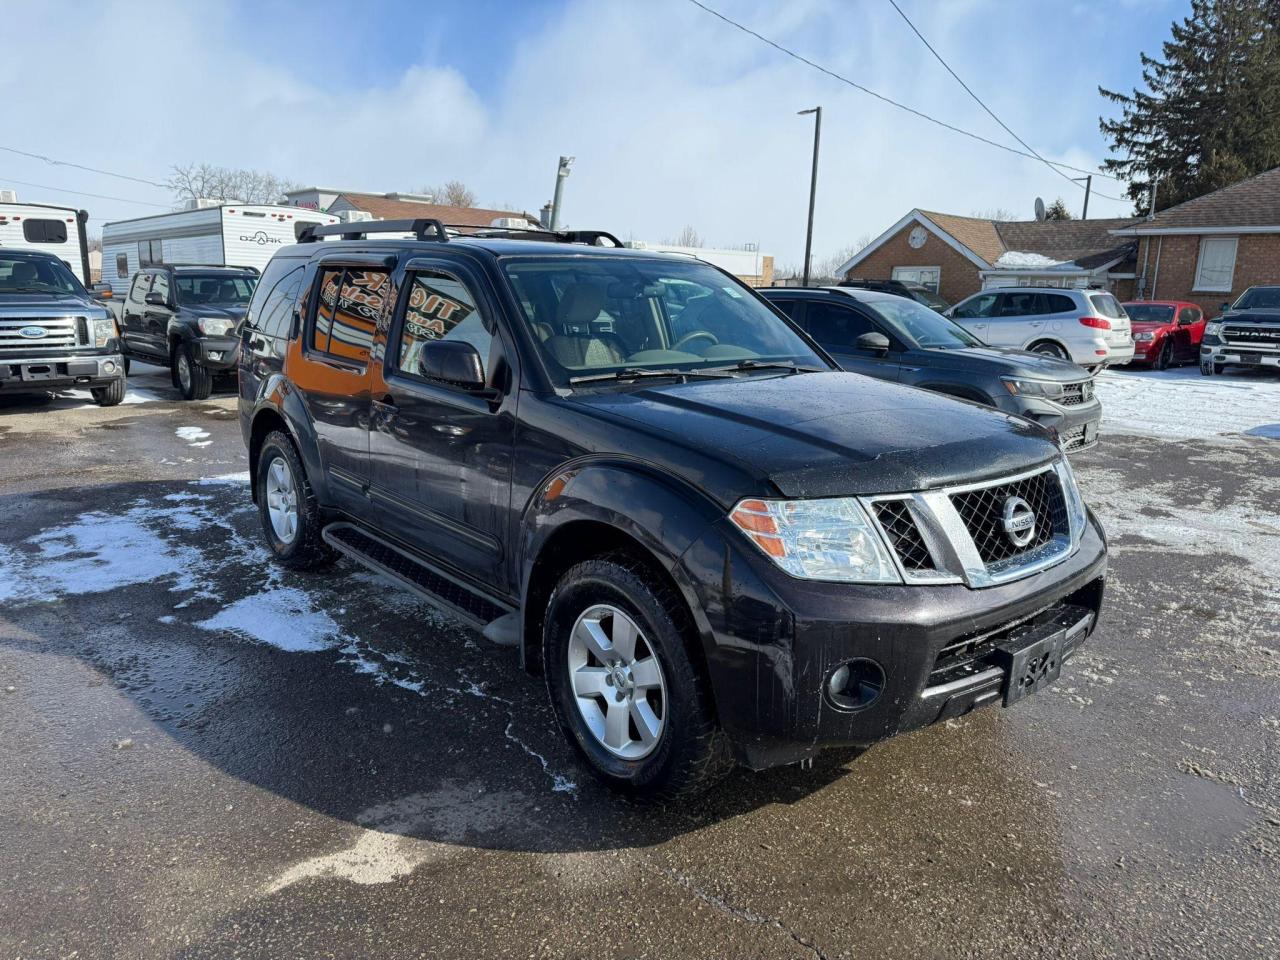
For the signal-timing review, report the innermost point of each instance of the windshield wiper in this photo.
(638, 373)
(789, 366)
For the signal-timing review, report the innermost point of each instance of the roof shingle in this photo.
(1250, 203)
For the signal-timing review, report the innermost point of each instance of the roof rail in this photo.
(424, 228)
(588, 237)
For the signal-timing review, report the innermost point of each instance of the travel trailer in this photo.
(45, 229)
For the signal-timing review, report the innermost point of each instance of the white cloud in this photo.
(674, 116)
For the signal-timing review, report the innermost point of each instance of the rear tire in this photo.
(110, 395)
(193, 381)
(293, 534)
(1049, 349)
(689, 752)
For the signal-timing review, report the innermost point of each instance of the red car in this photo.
(1165, 332)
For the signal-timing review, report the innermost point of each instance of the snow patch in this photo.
(282, 618)
(1182, 405)
(223, 479)
(1022, 261)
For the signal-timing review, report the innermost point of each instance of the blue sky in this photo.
(675, 117)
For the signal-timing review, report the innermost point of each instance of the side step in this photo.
(414, 573)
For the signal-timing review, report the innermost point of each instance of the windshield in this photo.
(916, 323)
(37, 275)
(1258, 298)
(597, 315)
(1149, 313)
(222, 290)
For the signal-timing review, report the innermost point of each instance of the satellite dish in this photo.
(1039, 209)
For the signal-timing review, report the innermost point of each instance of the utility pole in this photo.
(813, 186)
(561, 173)
(1088, 188)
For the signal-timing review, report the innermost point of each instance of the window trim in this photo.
(1231, 275)
(909, 266)
(391, 360)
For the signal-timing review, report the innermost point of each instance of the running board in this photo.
(414, 573)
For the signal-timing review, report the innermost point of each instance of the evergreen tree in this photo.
(1058, 211)
(1210, 113)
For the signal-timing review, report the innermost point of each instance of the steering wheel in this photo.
(695, 335)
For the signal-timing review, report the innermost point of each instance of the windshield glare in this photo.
(916, 323)
(1149, 313)
(600, 315)
(37, 275)
(1259, 298)
(215, 290)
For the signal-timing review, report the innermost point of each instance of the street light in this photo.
(813, 186)
(561, 173)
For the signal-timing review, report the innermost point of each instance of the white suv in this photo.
(1086, 326)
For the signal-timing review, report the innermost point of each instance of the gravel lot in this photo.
(209, 757)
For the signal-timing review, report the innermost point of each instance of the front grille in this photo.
(899, 526)
(1253, 336)
(1073, 439)
(1077, 393)
(982, 512)
(60, 333)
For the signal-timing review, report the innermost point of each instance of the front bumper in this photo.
(772, 642)
(1230, 354)
(219, 354)
(36, 373)
(1077, 425)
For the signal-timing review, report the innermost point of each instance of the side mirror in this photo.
(1225, 306)
(455, 362)
(875, 342)
(155, 300)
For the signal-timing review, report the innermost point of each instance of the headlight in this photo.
(1145, 335)
(215, 327)
(1033, 388)
(1076, 515)
(1213, 327)
(104, 330)
(817, 539)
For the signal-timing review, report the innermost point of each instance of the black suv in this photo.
(893, 338)
(912, 291)
(713, 543)
(186, 318)
(53, 334)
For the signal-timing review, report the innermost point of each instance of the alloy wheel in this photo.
(184, 371)
(282, 500)
(617, 681)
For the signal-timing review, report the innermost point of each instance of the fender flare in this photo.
(278, 397)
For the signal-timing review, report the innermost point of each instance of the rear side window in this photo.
(351, 300)
(1107, 306)
(44, 231)
(1021, 305)
(268, 294)
(440, 307)
(1057, 303)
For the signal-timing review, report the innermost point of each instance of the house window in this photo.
(122, 266)
(927, 277)
(1217, 264)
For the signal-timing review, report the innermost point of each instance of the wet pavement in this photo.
(206, 756)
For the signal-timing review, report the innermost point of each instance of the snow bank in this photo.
(1180, 404)
(1022, 261)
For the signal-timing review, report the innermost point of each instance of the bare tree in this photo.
(1000, 214)
(197, 181)
(454, 193)
(688, 237)
(828, 268)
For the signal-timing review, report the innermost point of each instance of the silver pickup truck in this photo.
(53, 334)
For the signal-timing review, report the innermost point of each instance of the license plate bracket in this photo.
(1030, 667)
(40, 371)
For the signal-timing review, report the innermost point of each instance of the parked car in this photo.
(1247, 334)
(186, 318)
(53, 334)
(903, 288)
(1165, 332)
(1088, 327)
(892, 338)
(713, 543)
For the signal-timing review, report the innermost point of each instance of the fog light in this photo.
(215, 354)
(856, 684)
(109, 367)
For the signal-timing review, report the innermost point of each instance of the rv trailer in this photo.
(46, 229)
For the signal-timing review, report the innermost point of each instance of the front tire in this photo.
(288, 507)
(623, 686)
(193, 381)
(109, 395)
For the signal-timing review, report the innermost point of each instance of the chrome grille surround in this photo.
(953, 551)
(61, 333)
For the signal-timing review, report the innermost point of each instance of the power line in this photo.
(81, 166)
(82, 193)
(882, 97)
(978, 100)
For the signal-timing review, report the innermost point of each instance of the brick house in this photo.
(956, 256)
(396, 206)
(1210, 249)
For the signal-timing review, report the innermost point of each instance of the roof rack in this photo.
(424, 228)
(203, 266)
(588, 237)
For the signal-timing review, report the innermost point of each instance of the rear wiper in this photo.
(638, 373)
(790, 367)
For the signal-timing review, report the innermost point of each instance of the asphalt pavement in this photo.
(207, 756)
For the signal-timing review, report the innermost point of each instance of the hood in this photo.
(1260, 315)
(1006, 362)
(209, 311)
(45, 301)
(830, 434)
